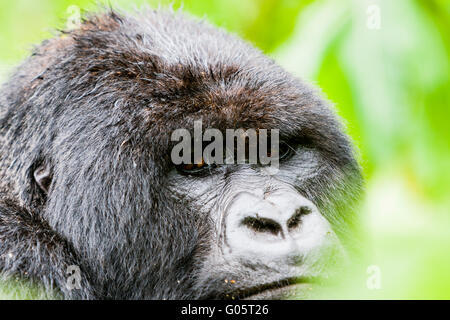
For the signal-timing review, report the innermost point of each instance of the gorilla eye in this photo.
(194, 168)
(285, 151)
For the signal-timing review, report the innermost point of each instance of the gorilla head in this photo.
(87, 180)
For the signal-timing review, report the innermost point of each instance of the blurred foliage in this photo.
(390, 84)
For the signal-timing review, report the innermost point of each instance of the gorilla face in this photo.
(88, 128)
(273, 235)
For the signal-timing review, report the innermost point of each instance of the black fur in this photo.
(96, 107)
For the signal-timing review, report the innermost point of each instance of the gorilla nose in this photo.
(275, 226)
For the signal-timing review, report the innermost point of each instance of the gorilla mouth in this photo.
(282, 289)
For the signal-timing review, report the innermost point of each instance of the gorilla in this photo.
(93, 207)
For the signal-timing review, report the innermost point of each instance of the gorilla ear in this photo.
(43, 176)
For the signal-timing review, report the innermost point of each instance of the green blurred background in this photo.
(385, 66)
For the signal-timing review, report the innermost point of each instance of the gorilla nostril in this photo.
(296, 219)
(262, 225)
